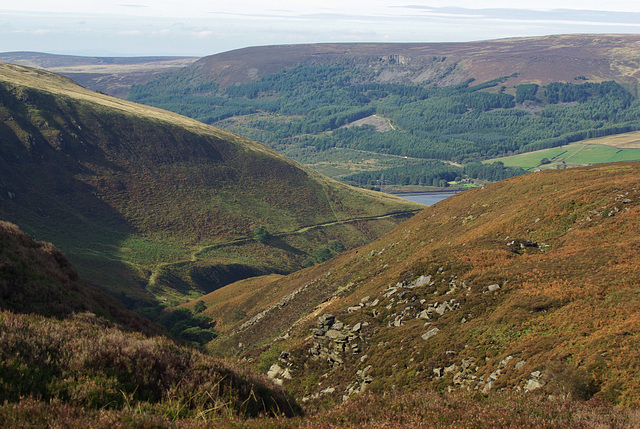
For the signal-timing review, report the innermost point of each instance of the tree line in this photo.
(309, 105)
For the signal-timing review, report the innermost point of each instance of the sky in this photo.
(199, 28)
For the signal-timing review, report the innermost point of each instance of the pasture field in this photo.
(616, 148)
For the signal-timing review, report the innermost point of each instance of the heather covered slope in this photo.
(538, 60)
(153, 205)
(83, 371)
(63, 342)
(35, 277)
(529, 284)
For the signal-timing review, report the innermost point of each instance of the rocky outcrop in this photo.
(332, 339)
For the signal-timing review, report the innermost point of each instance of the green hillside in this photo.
(618, 148)
(155, 206)
(422, 103)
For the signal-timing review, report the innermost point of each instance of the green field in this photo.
(586, 152)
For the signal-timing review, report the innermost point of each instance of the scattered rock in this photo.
(493, 287)
(398, 321)
(286, 374)
(430, 333)
(326, 321)
(450, 368)
(332, 339)
(535, 382)
(505, 361)
(274, 371)
(466, 363)
(422, 281)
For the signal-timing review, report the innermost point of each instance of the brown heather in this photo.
(560, 250)
(87, 363)
(420, 409)
(74, 367)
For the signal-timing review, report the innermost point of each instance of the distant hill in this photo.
(528, 284)
(354, 110)
(540, 60)
(154, 206)
(111, 75)
(349, 109)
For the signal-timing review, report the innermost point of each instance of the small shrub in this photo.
(199, 307)
(336, 246)
(569, 382)
(323, 254)
(194, 328)
(261, 235)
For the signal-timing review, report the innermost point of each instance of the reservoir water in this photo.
(427, 198)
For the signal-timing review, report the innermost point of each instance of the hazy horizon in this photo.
(197, 28)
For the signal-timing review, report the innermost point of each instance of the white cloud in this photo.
(203, 34)
(192, 27)
(38, 32)
(129, 33)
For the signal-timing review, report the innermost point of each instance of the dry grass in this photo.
(562, 247)
(87, 363)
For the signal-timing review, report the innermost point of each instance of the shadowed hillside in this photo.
(529, 284)
(80, 359)
(152, 205)
(35, 277)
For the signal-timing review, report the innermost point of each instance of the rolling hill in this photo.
(540, 60)
(154, 206)
(616, 148)
(355, 110)
(80, 369)
(450, 102)
(35, 277)
(529, 284)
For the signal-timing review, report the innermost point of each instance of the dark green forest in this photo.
(308, 106)
(432, 173)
